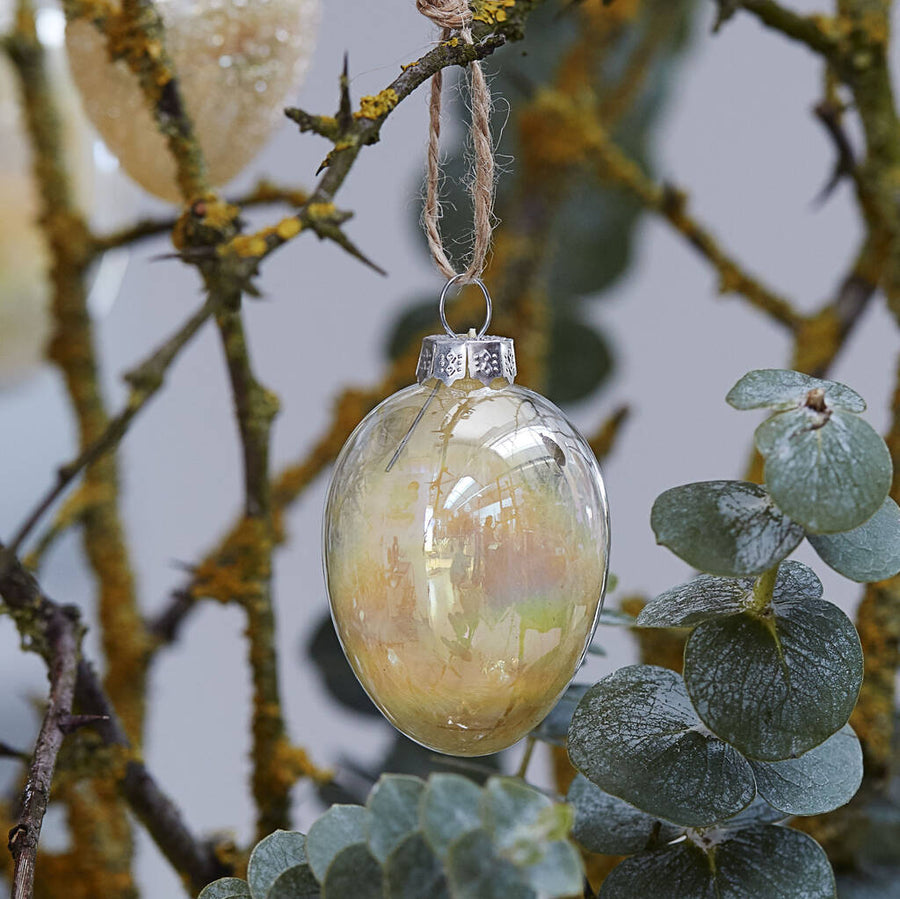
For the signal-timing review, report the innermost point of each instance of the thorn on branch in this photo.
(68, 724)
(830, 114)
(9, 752)
(727, 8)
(345, 109)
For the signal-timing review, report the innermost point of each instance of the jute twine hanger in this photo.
(455, 16)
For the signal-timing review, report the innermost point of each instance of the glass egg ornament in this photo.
(237, 63)
(466, 544)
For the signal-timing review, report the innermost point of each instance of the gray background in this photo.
(738, 133)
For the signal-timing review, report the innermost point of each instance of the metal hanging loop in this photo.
(487, 299)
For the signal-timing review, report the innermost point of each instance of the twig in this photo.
(351, 133)
(135, 34)
(256, 409)
(264, 194)
(807, 30)
(145, 380)
(39, 619)
(672, 205)
(604, 441)
(62, 632)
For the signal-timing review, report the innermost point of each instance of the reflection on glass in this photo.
(465, 581)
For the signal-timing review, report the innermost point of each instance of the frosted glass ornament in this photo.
(237, 61)
(466, 541)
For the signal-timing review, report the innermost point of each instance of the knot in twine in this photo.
(450, 15)
(455, 15)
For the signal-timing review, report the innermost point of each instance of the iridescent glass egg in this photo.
(466, 541)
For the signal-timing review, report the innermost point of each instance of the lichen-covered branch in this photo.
(62, 635)
(53, 631)
(351, 131)
(145, 380)
(671, 204)
(265, 193)
(134, 33)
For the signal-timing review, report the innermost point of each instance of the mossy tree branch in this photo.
(53, 631)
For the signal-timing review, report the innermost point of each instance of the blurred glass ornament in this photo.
(237, 62)
(24, 256)
(466, 542)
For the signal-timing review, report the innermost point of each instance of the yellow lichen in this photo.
(288, 228)
(491, 12)
(378, 106)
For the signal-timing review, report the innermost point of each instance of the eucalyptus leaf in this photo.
(868, 553)
(298, 882)
(707, 597)
(510, 809)
(355, 872)
(609, 825)
(775, 686)
(580, 359)
(273, 856)
(559, 872)
(477, 872)
(226, 888)
(450, 807)
(829, 473)
(325, 651)
(819, 781)
(729, 528)
(766, 862)
(758, 812)
(554, 728)
(339, 827)
(643, 712)
(413, 871)
(393, 808)
(778, 388)
(700, 599)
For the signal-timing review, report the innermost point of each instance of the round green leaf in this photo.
(676, 872)
(868, 553)
(758, 812)
(796, 581)
(555, 726)
(511, 810)
(271, 857)
(579, 358)
(393, 808)
(775, 687)
(828, 473)
(642, 713)
(339, 827)
(765, 862)
(778, 388)
(477, 872)
(450, 807)
(819, 781)
(730, 528)
(698, 600)
(774, 862)
(355, 872)
(558, 873)
(707, 597)
(298, 882)
(609, 825)
(413, 871)
(226, 888)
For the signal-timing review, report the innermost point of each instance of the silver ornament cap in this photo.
(451, 357)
